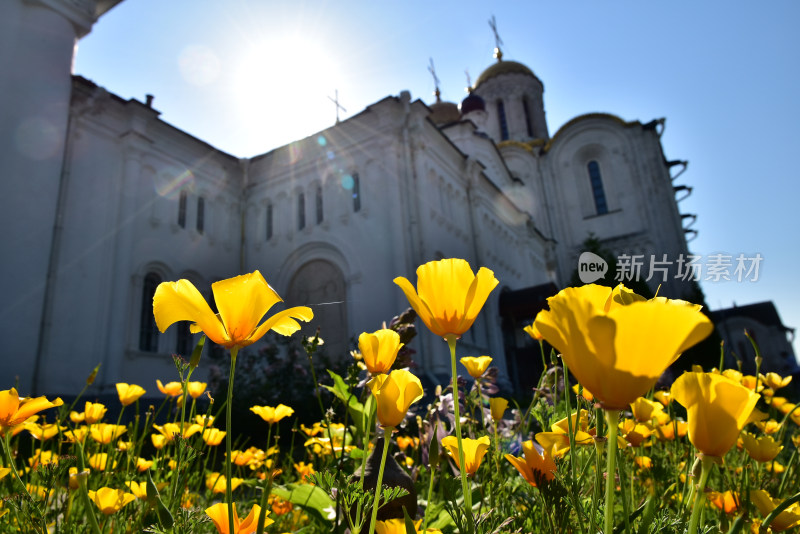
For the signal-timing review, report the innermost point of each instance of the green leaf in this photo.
(343, 393)
(194, 361)
(410, 528)
(310, 498)
(154, 500)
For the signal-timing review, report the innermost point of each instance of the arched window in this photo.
(597, 188)
(182, 210)
(148, 331)
(501, 115)
(528, 122)
(320, 215)
(356, 192)
(269, 221)
(301, 211)
(201, 214)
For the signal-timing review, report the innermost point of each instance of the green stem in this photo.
(387, 435)
(451, 342)
(612, 418)
(228, 491)
(700, 498)
(262, 516)
(7, 448)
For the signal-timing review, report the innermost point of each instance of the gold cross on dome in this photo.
(338, 105)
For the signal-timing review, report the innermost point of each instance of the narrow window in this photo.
(148, 332)
(501, 114)
(356, 192)
(301, 211)
(184, 345)
(528, 123)
(269, 221)
(182, 210)
(201, 214)
(597, 188)
(320, 215)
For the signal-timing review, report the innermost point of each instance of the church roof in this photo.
(763, 312)
(504, 67)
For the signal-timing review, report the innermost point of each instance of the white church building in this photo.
(124, 201)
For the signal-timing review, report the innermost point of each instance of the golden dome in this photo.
(503, 67)
(444, 112)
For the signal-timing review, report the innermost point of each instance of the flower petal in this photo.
(242, 301)
(419, 306)
(283, 322)
(181, 301)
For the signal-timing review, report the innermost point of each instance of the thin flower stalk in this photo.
(387, 432)
(451, 342)
(612, 418)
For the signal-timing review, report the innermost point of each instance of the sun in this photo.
(281, 88)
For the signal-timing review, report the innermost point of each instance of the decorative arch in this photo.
(320, 284)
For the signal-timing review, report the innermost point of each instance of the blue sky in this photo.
(247, 76)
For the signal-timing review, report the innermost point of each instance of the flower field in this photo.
(606, 451)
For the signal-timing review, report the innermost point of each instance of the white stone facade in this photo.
(127, 200)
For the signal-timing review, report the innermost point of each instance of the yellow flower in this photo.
(41, 457)
(99, 461)
(6, 470)
(379, 350)
(219, 515)
(217, 483)
(497, 406)
(195, 389)
(169, 430)
(616, 343)
(394, 394)
(776, 381)
(398, 526)
(272, 415)
(43, 432)
(109, 500)
(763, 449)
(213, 436)
(92, 413)
(633, 432)
(77, 435)
(303, 470)
(663, 397)
(717, 409)
(766, 504)
(15, 411)
(537, 465)
(139, 489)
(727, 501)
(643, 462)
(449, 295)
(404, 442)
(585, 393)
(129, 393)
(532, 331)
(143, 465)
(768, 427)
(204, 420)
(75, 477)
(556, 442)
(750, 382)
(645, 411)
(171, 389)
(474, 450)
(242, 302)
(667, 432)
(105, 433)
(476, 366)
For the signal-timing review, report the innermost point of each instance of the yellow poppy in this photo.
(727, 501)
(143, 465)
(105, 433)
(645, 411)
(75, 477)
(476, 366)
(474, 450)
(242, 302)
(497, 406)
(99, 462)
(139, 489)
(217, 483)
(663, 397)
(449, 295)
(537, 464)
(666, 432)
(762, 449)
(171, 389)
(717, 409)
(776, 381)
(129, 393)
(398, 526)
(15, 411)
(633, 432)
(219, 515)
(768, 427)
(272, 414)
(404, 442)
(616, 343)
(169, 430)
(556, 442)
(213, 436)
(43, 432)
(785, 520)
(532, 331)
(109, 500)
(379, 350)
(394, 393)
(195, 389)
(643, 462)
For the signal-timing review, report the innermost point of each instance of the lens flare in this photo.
(168, 182)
